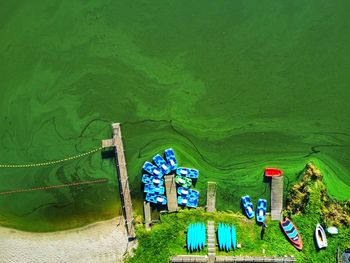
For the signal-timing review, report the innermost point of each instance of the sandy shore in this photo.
(104, 241)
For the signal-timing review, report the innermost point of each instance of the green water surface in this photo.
(232, 86)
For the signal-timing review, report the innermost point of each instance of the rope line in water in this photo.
(50, 162)
(98, 181)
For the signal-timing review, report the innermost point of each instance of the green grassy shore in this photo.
(168, 237)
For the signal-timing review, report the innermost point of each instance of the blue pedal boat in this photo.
(171, 159)
(248, 206)
(188, 192)
(156, 199)
(188, 172)
(188, 202)
(154, 189)
(152, 169)
(149, 179)
(162, 164)
(261, 210)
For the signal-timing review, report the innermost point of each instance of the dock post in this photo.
(276, 197)
(170, 190)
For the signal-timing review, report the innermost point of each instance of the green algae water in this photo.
(232, 86)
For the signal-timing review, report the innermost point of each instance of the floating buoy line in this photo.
(98, 181)
(51, 162)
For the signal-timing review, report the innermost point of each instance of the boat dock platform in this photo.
(170, 190)
(276, 197)
(117, 143)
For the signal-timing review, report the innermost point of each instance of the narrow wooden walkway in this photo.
(170, 190)
(276, 197)
(238, 259)
(189, 259)
(211, 196)
(123, 177)
(211, 242)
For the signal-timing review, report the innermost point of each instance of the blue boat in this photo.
(188, 172)
(154, 189)
(188, 192)
(156, 199)
(149, 179)
(234, 237)
(248, 206)
(162, 164)
(186, 201)
(171, 159)
(261, 210)
(152, 169)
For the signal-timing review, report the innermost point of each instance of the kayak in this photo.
(234, 237)
(320, 236)
(291, 233)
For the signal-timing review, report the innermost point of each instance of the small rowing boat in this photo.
(272, 172)
(320, 236)
(292, 233)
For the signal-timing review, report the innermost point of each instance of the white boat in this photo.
(320, 237)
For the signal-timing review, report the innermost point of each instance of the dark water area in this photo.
(232, 86)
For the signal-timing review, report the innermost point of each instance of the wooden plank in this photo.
(170, 190)
(123, 180)
(107, 143)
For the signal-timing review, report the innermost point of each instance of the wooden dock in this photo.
(276, 197)
(170, 190)
(211, 196)
(117, 143)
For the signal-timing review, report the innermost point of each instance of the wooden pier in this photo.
(117, 143)
(276, 197)
(211, 196)
(170, 190)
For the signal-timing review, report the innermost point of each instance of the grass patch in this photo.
(168, 238)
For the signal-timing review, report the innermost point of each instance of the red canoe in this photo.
(270, 172)
(292, 233)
